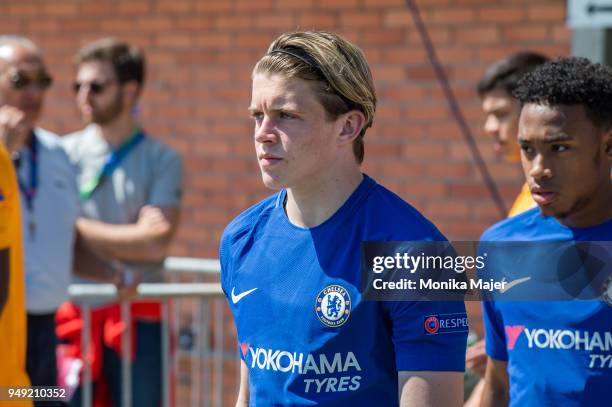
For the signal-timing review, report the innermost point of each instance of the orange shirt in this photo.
(522, 202)
(13, 315)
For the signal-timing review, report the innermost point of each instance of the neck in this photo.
(594, 212)
(310, 205)
(119, 130)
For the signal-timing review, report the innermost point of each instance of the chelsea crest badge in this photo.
(333, 306)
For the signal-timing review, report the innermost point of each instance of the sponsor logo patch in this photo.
(446, 323)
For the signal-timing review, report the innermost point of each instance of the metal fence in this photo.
(194, 372)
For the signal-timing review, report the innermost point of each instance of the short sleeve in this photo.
(428, 335)
(224, 259)
(167, 186)
(495, 339)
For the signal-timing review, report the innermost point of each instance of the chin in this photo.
(556, 211)
(271, 182)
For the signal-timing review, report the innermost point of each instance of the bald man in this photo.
(49, 199)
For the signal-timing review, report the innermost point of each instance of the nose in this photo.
(265, 131)
(491, 126)
(539, 169)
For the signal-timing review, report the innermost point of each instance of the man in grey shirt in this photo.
(48, 195)
(130, 190)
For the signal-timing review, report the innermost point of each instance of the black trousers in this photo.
(41, 360)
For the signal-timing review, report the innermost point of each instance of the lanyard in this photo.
(29, 191)
(111, 164)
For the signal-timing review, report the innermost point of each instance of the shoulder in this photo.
(249, 221)
(517, 227)
(392, 213)
(74, 142)
(158, 150)
(53, 144)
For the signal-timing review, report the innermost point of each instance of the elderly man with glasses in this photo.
(49, 198)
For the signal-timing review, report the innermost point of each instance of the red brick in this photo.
(552, 12)
(45, 26)
(233, 22)
(276, 21)
(479, 35)
(212, 6)
(249, 5)
(360, 19)
(213, 40)
(501, 14)
(397, 19)
(175, 6)
(445, 15)
(388, 73)
(133, 7)
(336, 4)
(308, 21)
(195, 23)
(175, 41)
(526, 33)
(424, 151)
(384, 3)
(437, 36)
(384, 38)
(19, 10)
(450, 170)
(297, 5)
(411, 55)
(57, 9)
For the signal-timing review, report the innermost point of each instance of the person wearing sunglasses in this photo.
(49, 198)
(130, 188)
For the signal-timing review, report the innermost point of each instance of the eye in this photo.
(257, 116)
(559, 148)
(527, 149)
(285, 115)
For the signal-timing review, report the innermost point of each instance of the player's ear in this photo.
(608, 143)
(351, 125)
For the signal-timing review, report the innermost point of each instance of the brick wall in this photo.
(200, 53)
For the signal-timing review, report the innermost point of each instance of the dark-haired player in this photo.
(565, 134)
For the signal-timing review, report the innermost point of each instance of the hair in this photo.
(12, 40)
(571, 81)
(506, 73)
(337, 69)
(128, 62)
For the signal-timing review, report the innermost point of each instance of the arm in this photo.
(430, 389)
(243, 392)
(495, 391)
(88, 265)
(4, 277)
(146, 240)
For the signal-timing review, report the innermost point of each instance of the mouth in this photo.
(266, 160)
(543, 196)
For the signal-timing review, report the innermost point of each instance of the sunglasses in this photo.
(20, 81)
(95, 87)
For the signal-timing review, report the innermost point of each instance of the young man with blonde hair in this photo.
(291, 264)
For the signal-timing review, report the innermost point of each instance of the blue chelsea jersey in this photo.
(559, 353)
(303, 331)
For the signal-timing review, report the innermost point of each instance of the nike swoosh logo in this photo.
(512, 283)
(236, 298)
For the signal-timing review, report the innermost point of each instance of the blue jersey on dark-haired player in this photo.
(303, 331)
(559, 353)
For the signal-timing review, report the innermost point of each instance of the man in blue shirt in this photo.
(557, 353)
(291, 264)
